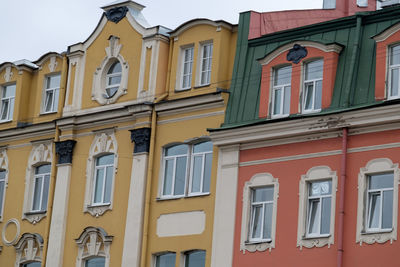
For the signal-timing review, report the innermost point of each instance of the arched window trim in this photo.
(104, 143)
(93, 242)
(42, 153)
(99, 79)
(29, 248)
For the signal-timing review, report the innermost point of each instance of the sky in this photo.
(31, 28)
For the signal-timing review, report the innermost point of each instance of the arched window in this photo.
(195, 258)
(165, 260)
(32, 264)
(104, 172)
(29, 250)
(95, 262)
(113, 79)
(41, 187)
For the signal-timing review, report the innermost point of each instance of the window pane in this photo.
(95, 262)
(308, 98)
(207, 173)
(9, 90)
(114, 80)
(326, 215)
(105, 160)
(318, 95)
(320, 188)
(49, 101)
(314, 216)
(169, 168)
(283, 75)
(45, 192)
(379, 181)
(196, 174)
(166, 260)
(374, 210)
(180, 176)
(176, 150)
(277, 101)
(314, 70)
(2, 175)
(394, 82)
(107, 190)
(32, 264)
(111, 91)
(36, 193)
(42, 169)
(267, 221)
(263, 194)
(195, 259)
(395, 55)
(98, 191)
(53, 81)
(56, 96)
(256, 225)
(387, 209)
(4, 110)
(286, 101)
(115, 68)
(11, 109)
(202, 147)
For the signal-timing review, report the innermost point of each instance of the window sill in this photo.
(316, 237)
(5, 121)
(311, 111)
(182, 196)
(377, 232)
(279, 116)
(202, 86)
(47, 113)
(182, 90)
(34, 216)
(97, 210)
(99, 205)
(257, 242)
(36, 212)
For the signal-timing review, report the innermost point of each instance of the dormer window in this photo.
(52, 91)
(394, 72)
(312, 94)
(7, 102)
(206, 59)
(281, 91)
(187, 68)
(113, 79)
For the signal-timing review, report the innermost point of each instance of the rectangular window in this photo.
(379, 215)
(41, 187)
(281, 91)
(205, 67)
(394, 72)
(7, 102)
(165, 260)
(187, 68)
(319, 208)
(2, 190)
(187, 169)
(262, 200)
(103, 180)
(196, 258)
(52, 91)
(312, 92)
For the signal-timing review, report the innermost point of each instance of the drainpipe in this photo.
(148, 182)
(341, 198)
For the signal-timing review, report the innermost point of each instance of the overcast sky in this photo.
(31, 28)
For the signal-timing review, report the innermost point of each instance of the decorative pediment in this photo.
(29, 248)
(8, 74)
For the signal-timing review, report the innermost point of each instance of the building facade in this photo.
(105, 154)
(308, 168)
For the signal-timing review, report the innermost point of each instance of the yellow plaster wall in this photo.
(113, 222)
(131, 51)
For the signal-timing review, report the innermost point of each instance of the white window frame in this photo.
(314, 81)
(182, 62)
(95, 180)
(188, 172)
(282, 88)
(315, 174)
(155, 257)
(390, 68)
(42, 176)
(187, 253)
(103, 143)
(41, 154)
(55, 97)
(112, 75)
(258, 180)
(93, 242)
(201, 63)
(3, 167)
(11, 103)
(363, 234)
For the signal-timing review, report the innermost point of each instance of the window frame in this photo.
(186, 254)
(389, 73)
(41, 176)
(56, 94)
(188, 170)
(157, 255)
(200, 64)
(11, 99)
(181, 70)
(112, 75)
(314, 81)
(315, 174)
(363, 234)
(281, 87)
(95, 179)
(257, 181)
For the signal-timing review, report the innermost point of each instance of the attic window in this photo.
(113, 79)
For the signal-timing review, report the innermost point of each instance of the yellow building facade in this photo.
(105, 158)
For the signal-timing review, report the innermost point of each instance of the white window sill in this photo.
(162, 198)
(377, 232)
(35, 212)
(311, 111)
(98, 205)
(279, 116)
(258, 242)
(316, 237)
(5, 121)
(182, 89)
(47, 113)
(202, 85)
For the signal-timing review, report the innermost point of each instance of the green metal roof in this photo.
(355, 75)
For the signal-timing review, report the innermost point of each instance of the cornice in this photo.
(271, 133)
(31, 131)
